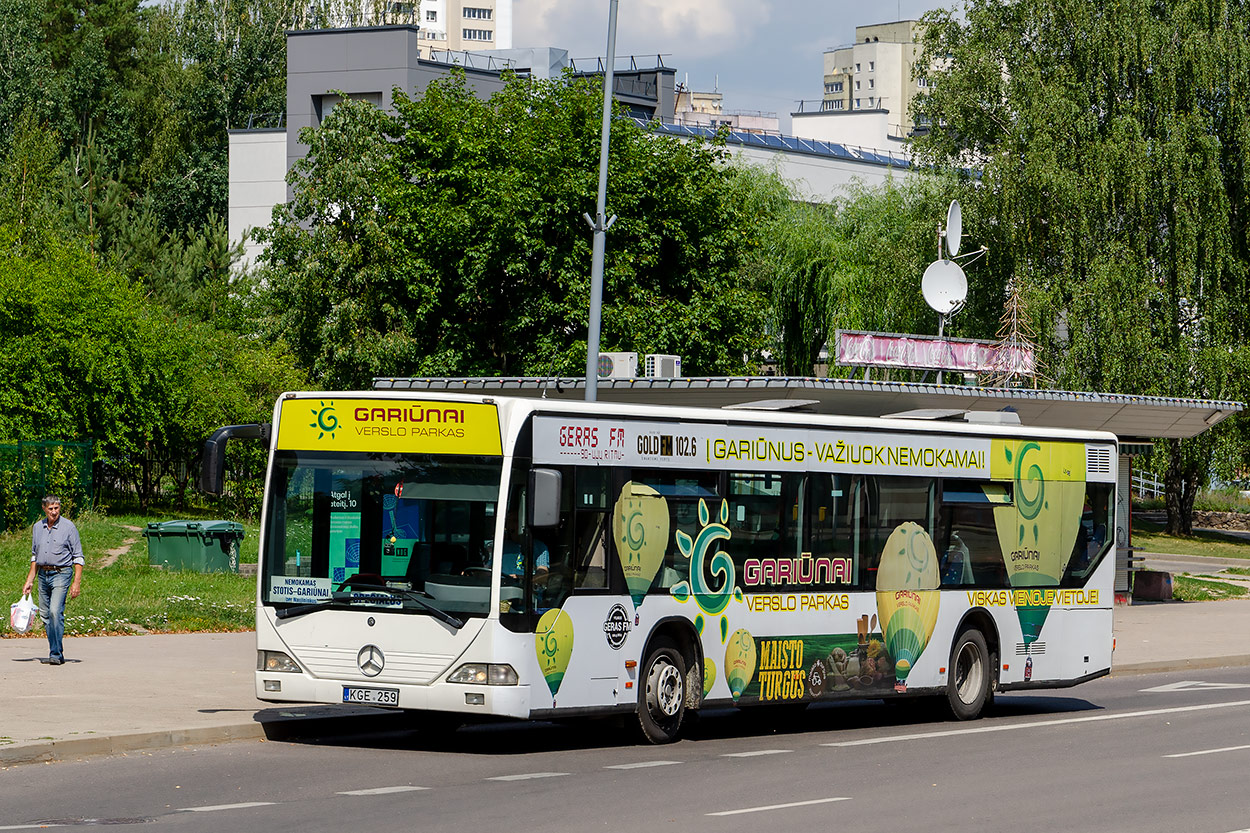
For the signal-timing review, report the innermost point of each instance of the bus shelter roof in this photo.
(1133, 418)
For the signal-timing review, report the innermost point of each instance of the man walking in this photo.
(55, 555)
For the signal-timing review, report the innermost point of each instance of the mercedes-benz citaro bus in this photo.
(480, 557)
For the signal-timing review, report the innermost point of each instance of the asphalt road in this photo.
(1163, 752)
(1196, 564)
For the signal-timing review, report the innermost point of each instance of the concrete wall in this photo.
(365, 63)
(817, 178)
(861, 128)
(257, 182)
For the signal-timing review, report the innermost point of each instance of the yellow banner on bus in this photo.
(389, 425)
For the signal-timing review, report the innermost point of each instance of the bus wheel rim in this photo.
(664, 693)
(969, 673)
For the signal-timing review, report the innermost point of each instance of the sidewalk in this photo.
(125, 693)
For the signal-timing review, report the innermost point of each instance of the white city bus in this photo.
(510, 557)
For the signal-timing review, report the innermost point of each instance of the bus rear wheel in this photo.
(970, 678)
(662, 695)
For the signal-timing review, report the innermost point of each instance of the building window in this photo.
(857, 104)
(872, 65)
(475, 13)
(869, 101)
(837, 86)
(476, 34)
(431, 16)
(857, 67)
(857, 85)
(836, 104)
(871, 83)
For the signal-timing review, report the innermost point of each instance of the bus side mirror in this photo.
(212, 472)
(544, 502)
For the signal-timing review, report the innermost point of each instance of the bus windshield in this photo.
(346, 527)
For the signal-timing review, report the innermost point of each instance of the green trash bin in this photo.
(199, 546)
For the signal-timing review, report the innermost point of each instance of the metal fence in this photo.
(1146, 484)
(30, 470)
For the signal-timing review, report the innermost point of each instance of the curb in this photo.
(278, 728)
(1163, 666)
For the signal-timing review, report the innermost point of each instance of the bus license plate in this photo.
(371, 696)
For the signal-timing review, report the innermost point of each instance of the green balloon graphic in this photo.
(553, 642)
(739, 661)
(640, 526)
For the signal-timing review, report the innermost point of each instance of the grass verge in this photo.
(128, 594)
(1187, 588)
(1150, 537)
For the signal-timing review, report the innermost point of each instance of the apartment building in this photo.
(875, 73)
(459, 25)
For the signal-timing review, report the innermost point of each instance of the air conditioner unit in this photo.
(618, 365)
(663, 367)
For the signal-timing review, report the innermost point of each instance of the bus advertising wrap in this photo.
(389, 425)
(691, 445)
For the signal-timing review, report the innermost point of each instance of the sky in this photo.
(760, 54)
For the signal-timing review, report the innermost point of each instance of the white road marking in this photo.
(1207, 752)
(215, 807)
(642, 764)
(1194, 685)
(756, 753)
(979, 730)
(527, 776)
(778, 806)
(382, 790)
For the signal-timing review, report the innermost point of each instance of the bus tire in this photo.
(662, 693)
(970, 679)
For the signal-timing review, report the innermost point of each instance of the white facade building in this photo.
(457, 25)
(868, 89)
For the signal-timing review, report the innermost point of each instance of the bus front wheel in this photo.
(662, 695)
(968, 683)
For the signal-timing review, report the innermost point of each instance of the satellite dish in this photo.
(944, 286)
(954, 227)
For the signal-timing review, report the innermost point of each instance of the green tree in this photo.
(1110, 143)
(449, 239)
(855, 264)
(83, 355)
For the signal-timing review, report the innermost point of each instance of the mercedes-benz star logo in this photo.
(371, 660)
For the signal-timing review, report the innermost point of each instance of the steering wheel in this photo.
(477, 571)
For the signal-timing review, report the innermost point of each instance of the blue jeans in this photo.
(53, 589)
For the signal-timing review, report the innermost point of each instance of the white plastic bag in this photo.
(22, 614)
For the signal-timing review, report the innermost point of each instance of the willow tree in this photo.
(855, 263)
(1110, 141)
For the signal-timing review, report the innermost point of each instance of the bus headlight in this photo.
(275, 661)
(480, 673)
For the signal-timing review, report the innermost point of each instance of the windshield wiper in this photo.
(411, 595)
(300, 610)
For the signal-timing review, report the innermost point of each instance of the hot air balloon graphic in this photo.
(640, 527)
(553, 642)
(709, 675)
(907, 596)
(1038, 531)
(739, 661)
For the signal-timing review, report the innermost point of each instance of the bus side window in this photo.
(592, 528)
(899, 500)
(678, 496)
(967, 540)
(835, 511)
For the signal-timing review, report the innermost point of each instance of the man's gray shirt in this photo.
(57, 545)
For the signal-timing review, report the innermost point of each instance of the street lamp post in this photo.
(600, 224)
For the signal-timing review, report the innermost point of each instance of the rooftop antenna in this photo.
(944, 284)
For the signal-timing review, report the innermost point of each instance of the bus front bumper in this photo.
(484, 700)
